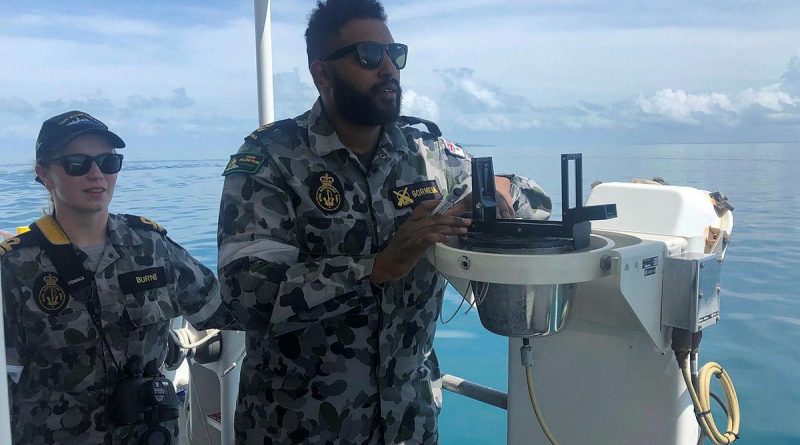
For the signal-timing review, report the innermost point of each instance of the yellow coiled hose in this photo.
(701, 397)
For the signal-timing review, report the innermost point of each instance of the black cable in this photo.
(463, 299)
(681, 345)
(719, 402)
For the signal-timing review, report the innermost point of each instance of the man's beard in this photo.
(363, 109)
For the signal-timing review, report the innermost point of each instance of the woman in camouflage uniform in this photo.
(88, 298)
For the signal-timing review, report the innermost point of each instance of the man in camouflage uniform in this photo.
(324, 222)
(68, 350)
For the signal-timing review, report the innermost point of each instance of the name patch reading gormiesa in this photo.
(412, 194)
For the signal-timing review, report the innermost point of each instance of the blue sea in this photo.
(757, 340)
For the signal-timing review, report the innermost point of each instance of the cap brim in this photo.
(115, 140)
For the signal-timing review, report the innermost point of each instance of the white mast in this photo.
(266, 103)
(5, 418)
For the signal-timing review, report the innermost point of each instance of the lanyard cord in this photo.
(95, 316)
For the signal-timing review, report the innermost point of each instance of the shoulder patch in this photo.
(453, 149)
(247, 163)
(267, 128)
(143, 223)
(23, 240)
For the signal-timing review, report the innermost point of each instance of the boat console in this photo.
(608, 299)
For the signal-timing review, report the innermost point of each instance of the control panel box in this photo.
(690, 298)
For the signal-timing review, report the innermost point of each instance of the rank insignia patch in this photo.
(8, 245)
(247, 163)
(145, 223)
(254, 135)
(412, 194)
(326, 191)
(49, 293)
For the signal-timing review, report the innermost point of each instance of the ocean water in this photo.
(757, 341)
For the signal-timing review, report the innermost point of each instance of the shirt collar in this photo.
(120, 234)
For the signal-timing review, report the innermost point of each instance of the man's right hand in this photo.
(420, 231)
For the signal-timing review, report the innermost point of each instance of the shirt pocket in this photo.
(148, 295)
(69, 330)
(321, 237)
(150, 306)
(65, 352)
(150, 312)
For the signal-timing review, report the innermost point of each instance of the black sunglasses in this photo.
(370, 54)
(80, 164)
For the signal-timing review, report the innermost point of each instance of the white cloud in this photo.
(476, 104)
(415, 104)
(683, 107)
(498, 67)
(293, 94)
(104, 24)
(771, 98)
(178, 99)
(480, 93)
(768, 103)
(472, 95)
(130, 58)
(790, 81)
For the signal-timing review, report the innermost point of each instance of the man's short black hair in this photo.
(328, 18)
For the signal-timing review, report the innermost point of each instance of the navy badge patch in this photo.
(49, 294)
(412, 194)
(247, 163)
(326, 191)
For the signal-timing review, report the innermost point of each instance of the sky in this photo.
(177, 79)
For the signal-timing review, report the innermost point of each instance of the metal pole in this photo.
(266, 102)
(489, 396)
(5, 418)
(564, 187)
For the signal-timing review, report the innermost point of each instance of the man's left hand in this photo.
(502, 190)
(505, 204)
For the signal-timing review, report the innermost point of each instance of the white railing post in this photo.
(266, 103)
(5, 416)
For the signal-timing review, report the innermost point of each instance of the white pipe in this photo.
(5, 417)
(266, 103)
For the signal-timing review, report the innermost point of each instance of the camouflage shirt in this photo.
(330, 357)
(68, 374)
